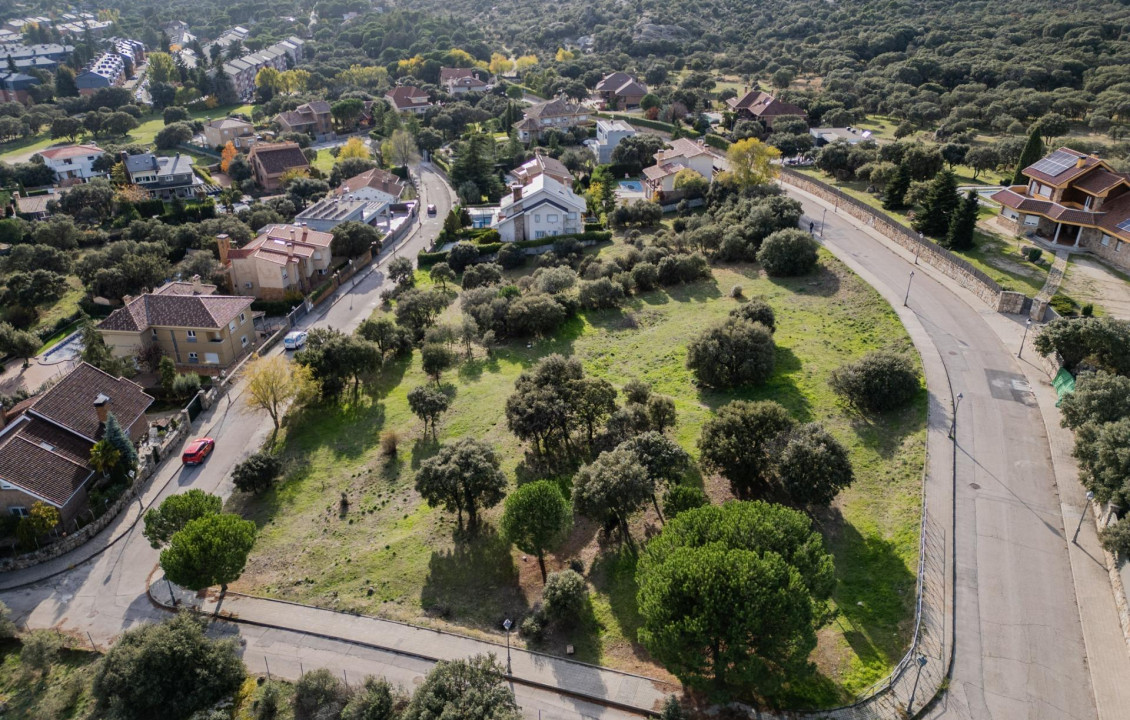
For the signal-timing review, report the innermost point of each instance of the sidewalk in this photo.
(601, 685)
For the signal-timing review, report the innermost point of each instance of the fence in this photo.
(971, 278)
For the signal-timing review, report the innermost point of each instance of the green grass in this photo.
(325, 161)
(388, 554)
(65, 306)
(61, 692)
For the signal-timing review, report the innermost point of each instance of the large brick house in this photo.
(281, 260)
(1072, 199)
(760, 105)
(312, 118)
(270, 161)
(620, 91)
(45, 441)
(558, 113)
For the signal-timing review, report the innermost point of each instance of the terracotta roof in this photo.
(277, 158)
(1099, 181)
(658, 172)
(403, 97)
(1067, 174)
(544, 164)
(681, 148)
(230, 122)
(467, 82)
(31, 459)
(190, 311)
(35, 204)
(446, 73)
(554, 108)
(1117, 213)
(70, 402)
(762, 104)
(377, 179)
(70, 151)
(277, 244)
(184, 287)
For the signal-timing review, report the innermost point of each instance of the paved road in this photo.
(1020, 650)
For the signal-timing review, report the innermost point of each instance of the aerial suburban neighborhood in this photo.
(588, 360)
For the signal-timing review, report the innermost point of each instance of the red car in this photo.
(197, 450)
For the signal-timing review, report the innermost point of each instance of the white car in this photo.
(294, 340)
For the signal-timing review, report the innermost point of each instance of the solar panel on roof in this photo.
(1056, 163)
(1124, 225)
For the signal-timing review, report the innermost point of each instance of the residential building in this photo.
(759, 105)
(14, 87)
(34, 57)
(45, 441)
(541, 209)
(105, 71)
(73, 162)
(609, 133)
(374, 185)
(34, 207)
(460, 81)
(282, 260)
(313, 119)
(620, 91)
(329, 212)
(406, 98)
(239, 132)
(1072, 199)
(84, 26)
(680, 154)
(270, 161)
(542, 165)
(131, 50)
(204, 333)
(558, 113)
(164, 177)
(242, 71)
(849, 135)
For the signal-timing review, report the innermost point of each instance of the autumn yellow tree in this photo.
(525, 62)
(400, 148)
(371, 77)
(162, 69)
(354, 148)
(271, 78)
(295, 81)
(752, 162)
(227, 155)
(132, 194)
(460, 58)
(273, 383)
(412, 66)
(292, 173)
(500, 64)
(563, 55)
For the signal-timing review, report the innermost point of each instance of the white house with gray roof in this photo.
(164, 177)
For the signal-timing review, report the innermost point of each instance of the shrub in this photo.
(787, 253)
(877, 382)
(737, 352)
(375, 700)
(481, 275)
(270, 701)
(533, 626)
(257, 473)
(736, 292)
(40, 648)
(461, 255)
(319, 694)
(1088, 310)
(186, 384)
(1033, 254)
(645, 276)
(564, 597)
(601, 293)
(389, 441)
(813, 467)
(510, 256)
(1116, 537)
(680, 498)
(758, 311)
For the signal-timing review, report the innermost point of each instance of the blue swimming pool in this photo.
(631, 185)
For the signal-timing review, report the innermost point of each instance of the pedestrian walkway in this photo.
(602, 685)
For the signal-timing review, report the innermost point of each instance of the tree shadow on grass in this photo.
(392, 372)
(473, 369)
(700, 291)
(422, 449)
(821, 282)
(613, 574)
(886, 432)
(475, 581)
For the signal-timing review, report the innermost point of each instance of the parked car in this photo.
(432, 210)
(198, 450)
(294, 340)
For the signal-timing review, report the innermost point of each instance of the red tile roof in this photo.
(762, 104)
(70, 151)
(1099, 181)
(70, 402)
(32, 459)
(377, 179)
(446, 73)
(404, 97)
(277, 158)
(189, 311)
(1089, 161)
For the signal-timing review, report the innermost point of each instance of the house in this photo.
(105, 71)
(680, 154)
(270, 161)
(14, 87)
(849, 135)
(620, 91)
(242, 70)
(609, 133)
(541, 209)
(460, 81)
(44, 56)
(164, 177)
(558, 113)
(408, 99)
(312, 119)
(202, 332)
(329, 212)
(45, 443)
(1072, 199)
(282, 260)
(240, 133)
(758, 105)
(73, 162)
(374, 185)
(542, 165)
(34, 207)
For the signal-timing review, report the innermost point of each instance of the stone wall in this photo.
(925, 251)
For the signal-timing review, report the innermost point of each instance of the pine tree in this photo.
(938, 206)
(1033, 151)
(116, 436)
(65, 82)
(894, 197)
(963, 223)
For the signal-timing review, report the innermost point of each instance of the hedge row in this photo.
(653, 124)
(717, 141)
(427, 259)
(593, 227)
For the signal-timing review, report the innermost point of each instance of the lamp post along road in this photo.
(1079, 526)
(507, 625)
(953, 423)
(1027, 324)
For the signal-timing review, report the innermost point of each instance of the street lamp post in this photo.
(1027, 324)
(906, 299)
(1090, 497)
(507, 625)
(921, 660)
(918, 248)
(953, 425)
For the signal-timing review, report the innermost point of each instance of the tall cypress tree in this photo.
(962, 224)
(116, 436)
(894, 196)
(938, 206)
(1033, 151)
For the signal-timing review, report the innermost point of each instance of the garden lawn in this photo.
(59, 693)
(346, 530)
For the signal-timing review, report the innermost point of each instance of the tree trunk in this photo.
(541, 564)
(655, 502)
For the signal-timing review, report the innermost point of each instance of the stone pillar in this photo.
(1058, 227)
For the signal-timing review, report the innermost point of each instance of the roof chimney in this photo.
(1080, 160)
(102, 407)
(223, 245)
(197, 286)
(517, 193)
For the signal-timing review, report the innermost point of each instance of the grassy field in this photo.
(59, 693)
(383, 552)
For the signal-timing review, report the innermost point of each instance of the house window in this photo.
(242, 318)
(191, 335)
(193, 358)
(539, 234)
(248, 285)
(1106, 240)
(1118, 246)
(154, 333)
(537, 218)
(243, 341)
(211, 358)
(551, 218)
(231, 326)
(18, 510)
(285, 276)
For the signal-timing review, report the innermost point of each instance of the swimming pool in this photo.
(631, 185)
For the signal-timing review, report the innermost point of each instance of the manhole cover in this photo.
(975, 486)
